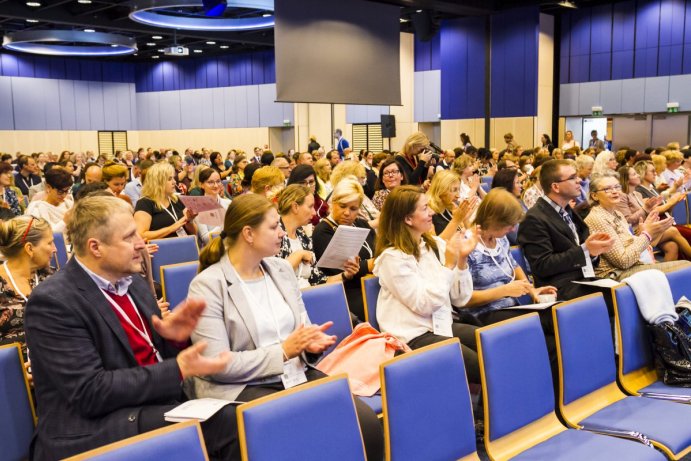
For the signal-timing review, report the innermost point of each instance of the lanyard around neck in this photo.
(14, 284)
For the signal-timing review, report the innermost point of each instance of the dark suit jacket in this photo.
(551, 250)
(89, 387)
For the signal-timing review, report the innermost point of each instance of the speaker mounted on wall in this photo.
(388, 126)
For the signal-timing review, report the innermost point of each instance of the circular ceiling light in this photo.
(69, 43)
(170, 14)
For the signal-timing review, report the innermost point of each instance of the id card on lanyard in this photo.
(181, 230)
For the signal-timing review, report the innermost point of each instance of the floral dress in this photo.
(316, 276)
(12, 312)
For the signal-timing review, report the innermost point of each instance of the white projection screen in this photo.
(336, 51)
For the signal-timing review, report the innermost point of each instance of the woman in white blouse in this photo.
(212, 186)
(422, 277)
(57, 199)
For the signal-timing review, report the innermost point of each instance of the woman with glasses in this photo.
(57, 199)
(306, 176)
(390, 176)
(212, 186)
(630, 253)
(8, 196)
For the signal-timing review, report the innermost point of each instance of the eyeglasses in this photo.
(610, 189)
(63, 191)
(308, 182)
(570, 178)
(391, 173)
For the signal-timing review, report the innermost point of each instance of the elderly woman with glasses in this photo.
(630, 253)
(57, 199)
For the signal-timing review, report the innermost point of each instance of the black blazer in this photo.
(550, 248)
(89, 387)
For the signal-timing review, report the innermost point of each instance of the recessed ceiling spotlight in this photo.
(84, 2)
(418, 11)
(151, 44)
(210, 43)
(156, 37)
(114, 45)
(161, 50)
(32, 20)
(405, 20)
(266, 15)
(89, 30)
(224, 47)
(567, 4)
(155, 56)
(197, 51)
(33, 4)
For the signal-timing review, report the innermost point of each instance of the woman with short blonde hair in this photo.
(268, 181)
(352, 168)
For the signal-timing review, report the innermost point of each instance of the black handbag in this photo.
(672, 353)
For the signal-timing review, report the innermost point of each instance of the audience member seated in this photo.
(443, 197)
(218, 164)
(305, 176)
(235, 186)
(555, 240)
(268, 181)
(195, 187)
(159, 212)
(27, 174)
(212, 186)
(133, 189)
(90, 173)
(8, 196)
(115, 176)
(510, 180)
(498, 280)
(390, 176)
(584, 168)
(346, 199)
(366, 159)
(255, 310)
(465, 167)
(282, 163)
(322, 168)
(414, 159)
(368, 211)
(630, 253)
(296, 208)
(605, 165)
(57, 199)
(106, 366)
(672, 173)
(422, 277)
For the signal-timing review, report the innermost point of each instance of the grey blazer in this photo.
(228, 324)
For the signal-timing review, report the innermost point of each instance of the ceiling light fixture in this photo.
(32, 20)
(33, 4)
(151, 44)
(155, 56)
(156, 37)
(210, 43)
(224, 47)
(84, 2)
(89, 30)
(567, 4)
(197, 51)
(55, 43)
(157, 13)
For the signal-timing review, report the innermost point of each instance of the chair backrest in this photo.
(370, 294)
(517, 254)
(633, 341)
(173, 251)
(175, 281)
(430, 381)
(516, 375)
(328, 303)
(315, 421)
(61, 256)
(179, 442)
(680, 213)
(679, 283)
(17, 416)
(584, 347)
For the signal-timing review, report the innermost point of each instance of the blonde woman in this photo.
(465, 167)
(159, 213)
(605, 165)
(268, 181)
(323, 169)
(115, 176)
(348, 168)
(443, 196)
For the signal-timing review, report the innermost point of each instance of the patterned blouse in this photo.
(316, 277)
(531, 195)
(10, 198)
(12, 312)
(379, 198)
(490, 268)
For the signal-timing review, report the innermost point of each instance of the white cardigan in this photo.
(412, 290)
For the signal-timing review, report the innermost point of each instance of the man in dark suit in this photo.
(106, 366)
(555, 240)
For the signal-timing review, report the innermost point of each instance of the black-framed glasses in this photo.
(570, 178)
(610, 189)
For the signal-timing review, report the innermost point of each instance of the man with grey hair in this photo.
(106, 365)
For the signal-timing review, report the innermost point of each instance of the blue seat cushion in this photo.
(661, 421)
(374, 402)
(658, 387)
(580, 445)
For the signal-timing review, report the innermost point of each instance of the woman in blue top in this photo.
(498, 281)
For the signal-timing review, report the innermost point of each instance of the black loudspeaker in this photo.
(388, 126)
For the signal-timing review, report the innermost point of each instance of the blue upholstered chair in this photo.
(179, 442)
(370, 294)
(680, 213)
(427, 408)
(328, 303)
(589, 397)
(17, 415)
(173, 251)
(636, 370)
(680, 283)
(517, 254)
(520, 421)
(175, 281)
(61, 256)
(314, 421)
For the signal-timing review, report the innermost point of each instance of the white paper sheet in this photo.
(533, 307)
(199, 409)
(345, 244)
(601, 283)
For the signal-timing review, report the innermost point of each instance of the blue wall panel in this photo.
(51, 103)
(601, 43)
(672, 14)
(580, 46)
(514, 63)
(8, 65)
(68, 106)
(564, 49)
(6, 113)
(28, 104)
(427, 54)
(81, 105)
(647, 38)
(462, 64)
(96, 107)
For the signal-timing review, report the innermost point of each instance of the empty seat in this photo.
(173, 251)
(17, 415)
(370, 294)
(175, 281)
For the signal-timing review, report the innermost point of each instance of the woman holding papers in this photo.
(296, 207)
(498, 280)
(212, 186)
(254, 309)
(159, 213)
(346, 199)
(421, 276)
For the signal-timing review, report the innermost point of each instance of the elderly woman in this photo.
(630, 253)
(390, 176)
(498, 281)
(296, 208)
(57, 199)
(605, 165)
(422, 277)
(346, 200)
(159, 213)
(254, 310)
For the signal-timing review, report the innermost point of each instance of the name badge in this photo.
(293, 373)
(441, 322)
(588, 271)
